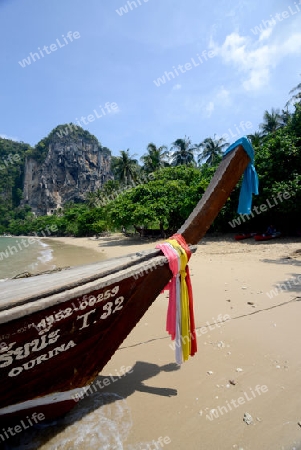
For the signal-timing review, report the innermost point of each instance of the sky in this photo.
(141, 71)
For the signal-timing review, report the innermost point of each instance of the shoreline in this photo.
(33, 255)
(112, 246)
(117, 244)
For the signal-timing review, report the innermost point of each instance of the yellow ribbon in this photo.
(185, 317)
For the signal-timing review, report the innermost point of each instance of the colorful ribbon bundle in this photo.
(250, 179)
(180, 317)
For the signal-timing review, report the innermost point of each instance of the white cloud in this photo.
(176, 87)
(209, 109)
(254, 59)
(205, 107)
(220, 99)
(223, 96)
(238, 8)
(265, 34)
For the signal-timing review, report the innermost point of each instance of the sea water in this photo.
(34, 255)
(18, 256)
(101, 422)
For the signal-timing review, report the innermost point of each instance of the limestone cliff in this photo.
(64, 168)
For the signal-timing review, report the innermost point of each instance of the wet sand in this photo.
(250, 363)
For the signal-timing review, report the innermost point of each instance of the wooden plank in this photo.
(71, 292)
(216, 195)
(24, 290)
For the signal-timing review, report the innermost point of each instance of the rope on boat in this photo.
(180, 323)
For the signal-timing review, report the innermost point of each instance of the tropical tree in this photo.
(211, 150)
(91, 199)
(110, 186)
(271, 121)
(155, 158)
(94, 198)
(296, 98)
(255, 138)
(183, 152)
(125, 167)
(163, 203)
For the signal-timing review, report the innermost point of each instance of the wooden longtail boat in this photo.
(267, 237)
(58, 331)
(242, 236)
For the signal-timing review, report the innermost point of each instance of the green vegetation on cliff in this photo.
(12, 157)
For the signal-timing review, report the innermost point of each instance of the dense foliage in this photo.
(278, 163)
(163, 190)
(162, 203)
(12, 156)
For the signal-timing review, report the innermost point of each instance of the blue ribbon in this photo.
(250, 179)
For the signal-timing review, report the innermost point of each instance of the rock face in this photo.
(73, 166)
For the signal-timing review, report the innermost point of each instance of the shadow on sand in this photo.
(95, 415)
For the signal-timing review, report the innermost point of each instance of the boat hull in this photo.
(62, 348)
(242, 236)
(266, 237)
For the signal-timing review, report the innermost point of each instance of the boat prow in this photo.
(58, 331)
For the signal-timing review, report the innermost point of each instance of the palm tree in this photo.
(91, 199)
(94, 198)
(110, 186)
(211, 150)
(272, 121)
(255, 138)
(125, 167)
(286, 116)
(297, 97)
(183, 152)
(155, 158)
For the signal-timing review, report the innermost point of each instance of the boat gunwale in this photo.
(101, 269)
(25, 307)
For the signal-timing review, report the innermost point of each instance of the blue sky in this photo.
(115, 57)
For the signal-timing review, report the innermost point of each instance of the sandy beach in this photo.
(248, 362)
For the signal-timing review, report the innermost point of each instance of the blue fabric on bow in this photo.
(250, 179)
